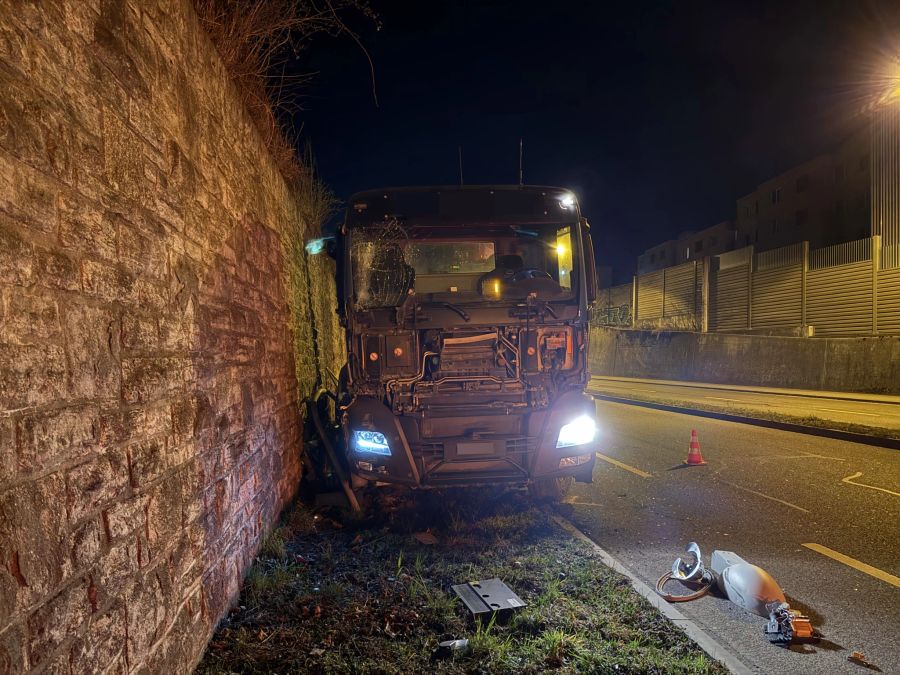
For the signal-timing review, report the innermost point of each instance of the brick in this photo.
(27, 197)
(60, 618)
(43, 440)
(146, 610)
(86, 543)
(144, 251)
(13, 650)
(33, 537)
(54, 269)
(87, 227)
(8, 470)
(139, 333)
(129, 425)
(120, 564)
(104, 643)
(147, 461)
(124, 518)
(110, 282)
(31, 375)
(163, 513)
(146, 379)
(16, 255)
(31, 316)
(92, 345)
(95, 483)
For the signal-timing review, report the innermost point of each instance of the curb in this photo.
(858, 397)
(703, 639)
(853, 437)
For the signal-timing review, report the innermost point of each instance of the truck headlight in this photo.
(370, 442)
(579, 431)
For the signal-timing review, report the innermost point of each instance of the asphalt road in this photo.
(849, 408)
(764, 494)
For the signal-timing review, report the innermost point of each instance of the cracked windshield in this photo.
(508, 263)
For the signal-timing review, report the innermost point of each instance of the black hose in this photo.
(312, 405)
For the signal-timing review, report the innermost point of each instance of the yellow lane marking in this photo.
(760, 494)
(717, 398)
(848, 412)
(575, 502)
(622, 465)
(849, 481)
(855, 564)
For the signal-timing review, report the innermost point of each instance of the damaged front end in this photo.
(470, 407)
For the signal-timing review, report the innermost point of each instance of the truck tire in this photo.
(550, 489)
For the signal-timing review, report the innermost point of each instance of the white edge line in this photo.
(762, 494)
(703, 639)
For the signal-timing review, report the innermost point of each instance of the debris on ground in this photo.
(386, 604)
(748, 586)
(860, 659)
(449, 648)
(426, 538)
(488, 598)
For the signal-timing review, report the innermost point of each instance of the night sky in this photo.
(658, 115)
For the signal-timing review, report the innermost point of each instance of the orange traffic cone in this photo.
(694, 457)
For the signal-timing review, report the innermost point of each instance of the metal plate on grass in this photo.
(484, 598)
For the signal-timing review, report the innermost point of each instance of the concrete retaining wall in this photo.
(864, 364)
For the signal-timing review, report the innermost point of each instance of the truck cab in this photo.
(466, 311)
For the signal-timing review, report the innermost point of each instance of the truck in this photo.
(466, 313)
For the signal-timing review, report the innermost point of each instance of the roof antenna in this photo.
(460, 166)
(521, 169)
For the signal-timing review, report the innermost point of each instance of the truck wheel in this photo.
(551, 489)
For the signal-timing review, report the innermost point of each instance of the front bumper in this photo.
(469, 449)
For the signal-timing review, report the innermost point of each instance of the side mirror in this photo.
(325, 245)
(590, 265)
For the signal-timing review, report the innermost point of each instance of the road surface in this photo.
(873, 410)
(821, 515)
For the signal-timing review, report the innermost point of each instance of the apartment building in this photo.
(825, 201)
(688, 246)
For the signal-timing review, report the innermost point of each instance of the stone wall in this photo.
(863, 364)
(149, 428)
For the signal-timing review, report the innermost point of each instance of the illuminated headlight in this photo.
(579, 431)
(370, 442)
(567, 202)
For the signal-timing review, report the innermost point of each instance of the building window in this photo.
(776, 195)
(747, 210)
(838, 173)
(713, 241)
(802, 183)
(687, 253)
(747, 239)
(802, 217)
(756, 207)
(652, 258)
(662, 254)
(698, 246)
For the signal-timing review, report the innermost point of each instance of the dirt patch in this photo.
(328, 595)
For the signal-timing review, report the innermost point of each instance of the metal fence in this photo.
(847, 289)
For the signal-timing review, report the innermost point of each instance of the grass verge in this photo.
(332, 596)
